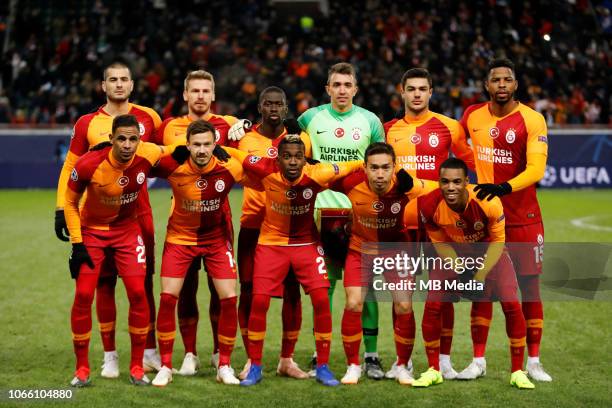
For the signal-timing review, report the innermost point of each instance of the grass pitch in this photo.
(36, 350)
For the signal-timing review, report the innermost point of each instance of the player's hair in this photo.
(200, 126)
(500, 63)
(454, 163)
(272, 89)
(115, 65)
(125, 121)
(291, 139)
(199, 74)
(417, 73)
(379, 148)
(341, 68)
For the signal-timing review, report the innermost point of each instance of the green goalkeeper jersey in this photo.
(339, 137)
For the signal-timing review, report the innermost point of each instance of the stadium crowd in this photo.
(51, 65)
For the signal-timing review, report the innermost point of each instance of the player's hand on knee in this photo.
(78, 257)
(489, 190)
(239, 129)
(405, 182)
(61, 229)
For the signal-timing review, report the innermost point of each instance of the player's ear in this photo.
(185, 95)
(213, 96)
(327, 89)
(103, 83)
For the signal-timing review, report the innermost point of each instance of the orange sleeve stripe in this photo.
(534, 172)
(72, 215)
(62, 183)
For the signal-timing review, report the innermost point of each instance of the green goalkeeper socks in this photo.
(369, 321)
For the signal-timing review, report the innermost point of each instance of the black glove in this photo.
(335, 242)
(404, 181)
(492, 190)
(78, 257)
(221, 154)
(312, 161)
(100, 146)
(180, 154)
(292, 126)
(470, 294)
(61, 229)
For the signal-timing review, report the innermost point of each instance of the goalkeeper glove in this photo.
(239, 129)
(292, 126)
(489, 191)
(61, 229)
(221, 154)
(404, 181)
(78, 257)
(180, 154)
(312, 161)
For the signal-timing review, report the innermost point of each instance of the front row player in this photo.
(114, 177)
(196, 229)
(453, 214)
(289, 239)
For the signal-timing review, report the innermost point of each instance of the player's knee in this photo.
(83, 297)
(354, 304)
(402, 307)
(530, 288)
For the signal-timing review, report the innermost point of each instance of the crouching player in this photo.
(453, 214)
(289, 238)
(378, 198)
(196, 229)
(114, 174)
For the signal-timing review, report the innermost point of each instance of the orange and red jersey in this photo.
(200, 195)
(481, 221)
(175, 129)
(376, 218)
(290, 204)
(113, 189)
(422, 145)
(510, 149)
(253, 201)
(95, 128)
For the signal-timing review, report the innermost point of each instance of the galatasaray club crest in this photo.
(540, 239)
(395, 208)
(494, 132)
(378, 206)
(339, 132)
(141, 129)
(140, 178)
(201, 184)
(290, 194)
(307, 194)
(433, 140)
(415, 139)
(356, 132)
(320, 250)
(140, 241)
(123, 181)
(272, 152)
(219, 185)
(217, 136)
(478, 225)
(510, 136)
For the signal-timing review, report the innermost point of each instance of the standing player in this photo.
(452, 214)
(90, 130)
(289, 239)
(199, 94)
(378, 199)
(510, 143)
(262, 140)
(341, 131)
(114, 177)
(422, 140)
(196, 229)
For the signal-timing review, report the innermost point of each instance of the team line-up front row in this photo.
(111, 228)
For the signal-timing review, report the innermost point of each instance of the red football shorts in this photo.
(359, 270)
(500, 284)
(247, 242)
(527, 254)
(218, 259)
(148, 235)
(121, 249)
(272, 263)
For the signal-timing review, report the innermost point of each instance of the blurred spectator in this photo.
(51, 69)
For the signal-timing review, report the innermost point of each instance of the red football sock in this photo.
(257, 327)
(448, 322)
(292, 317)
(431, 327)
(533, 311)
(351, 336)
(404, 331)
(138, 317)
(166, 327)
(188, 313)
(322, 324)
(481, 315)
(80, 318)
(214, 310)
(228, 323)
(106, 311)
(515, 329)
(148, 285)
(244, 311)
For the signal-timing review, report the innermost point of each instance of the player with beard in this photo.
(90, 130)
